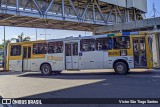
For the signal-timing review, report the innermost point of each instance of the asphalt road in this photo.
(81, 84)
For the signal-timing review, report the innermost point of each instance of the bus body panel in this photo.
(91, 60)
(15, 65)
(14, 62)
(57, 61)
(77, 59)
(128, 59)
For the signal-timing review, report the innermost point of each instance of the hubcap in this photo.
(120, 68)
(45, 70)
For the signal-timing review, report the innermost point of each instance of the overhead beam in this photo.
(8, 18)
(37, 6)
(86, 7)
(50, 4)
(28, 22)
(100, 11)
(74, 9)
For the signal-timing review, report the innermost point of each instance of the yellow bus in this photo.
(121, 52)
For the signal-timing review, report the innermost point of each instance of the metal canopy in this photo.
(63, 14)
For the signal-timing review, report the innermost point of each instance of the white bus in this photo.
(120, 52)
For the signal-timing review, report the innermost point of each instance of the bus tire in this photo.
(46, 69)
(57, 72)
(121, 68)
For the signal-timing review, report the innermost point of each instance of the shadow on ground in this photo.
(111, 86)
(86, 75)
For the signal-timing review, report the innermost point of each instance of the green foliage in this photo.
(1, 46)
(21, 38)
(4, 45)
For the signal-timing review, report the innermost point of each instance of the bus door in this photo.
(139, 52)
(72, 57)
(26, 59)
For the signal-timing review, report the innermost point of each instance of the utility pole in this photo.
(4, 56)
(36, 34)
(154, 11)
(45, 34)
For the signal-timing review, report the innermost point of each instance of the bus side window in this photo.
(40, 48)
(55, 47)
(121, 42)
(88, 45)
(15, 50)
(104, 43)
(29, 52)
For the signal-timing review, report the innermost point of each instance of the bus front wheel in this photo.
(46, 69)
(121, 68)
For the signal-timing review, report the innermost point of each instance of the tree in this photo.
(21, 38)
(6, 44)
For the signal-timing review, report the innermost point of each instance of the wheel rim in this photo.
(45, 70)
(120, 68)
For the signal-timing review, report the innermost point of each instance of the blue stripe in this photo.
(134, 33)
(125, 33)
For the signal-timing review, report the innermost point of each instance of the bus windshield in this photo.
(121, 42)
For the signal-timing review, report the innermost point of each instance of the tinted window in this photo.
(150, 43)
(68, 49)
(25, 52)
(55, 47)
(16, 50)
(104, 44)
(121, 42)
(75, 49)
(88, 45)
(29, 52)
(40, 48)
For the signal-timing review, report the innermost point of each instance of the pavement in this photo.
(81, 84)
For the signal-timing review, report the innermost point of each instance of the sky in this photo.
(12, 32)
(150, 8)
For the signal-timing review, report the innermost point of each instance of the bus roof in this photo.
(86, 37)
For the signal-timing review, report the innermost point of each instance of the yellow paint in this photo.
(142, 33)
(35, 56)
(112, 53)
(116, 52)
(55, 58)
(23, 44)
(118, 34)
(149, 55)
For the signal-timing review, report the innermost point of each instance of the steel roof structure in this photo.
(83, 15)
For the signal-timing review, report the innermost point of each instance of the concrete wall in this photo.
(116, 2)
(131, 25)
(139, 4)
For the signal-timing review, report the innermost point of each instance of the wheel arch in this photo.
(45, 63)
(121, 60)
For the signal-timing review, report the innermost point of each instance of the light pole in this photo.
(36, 34)
(45, 34)
(4, 56)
